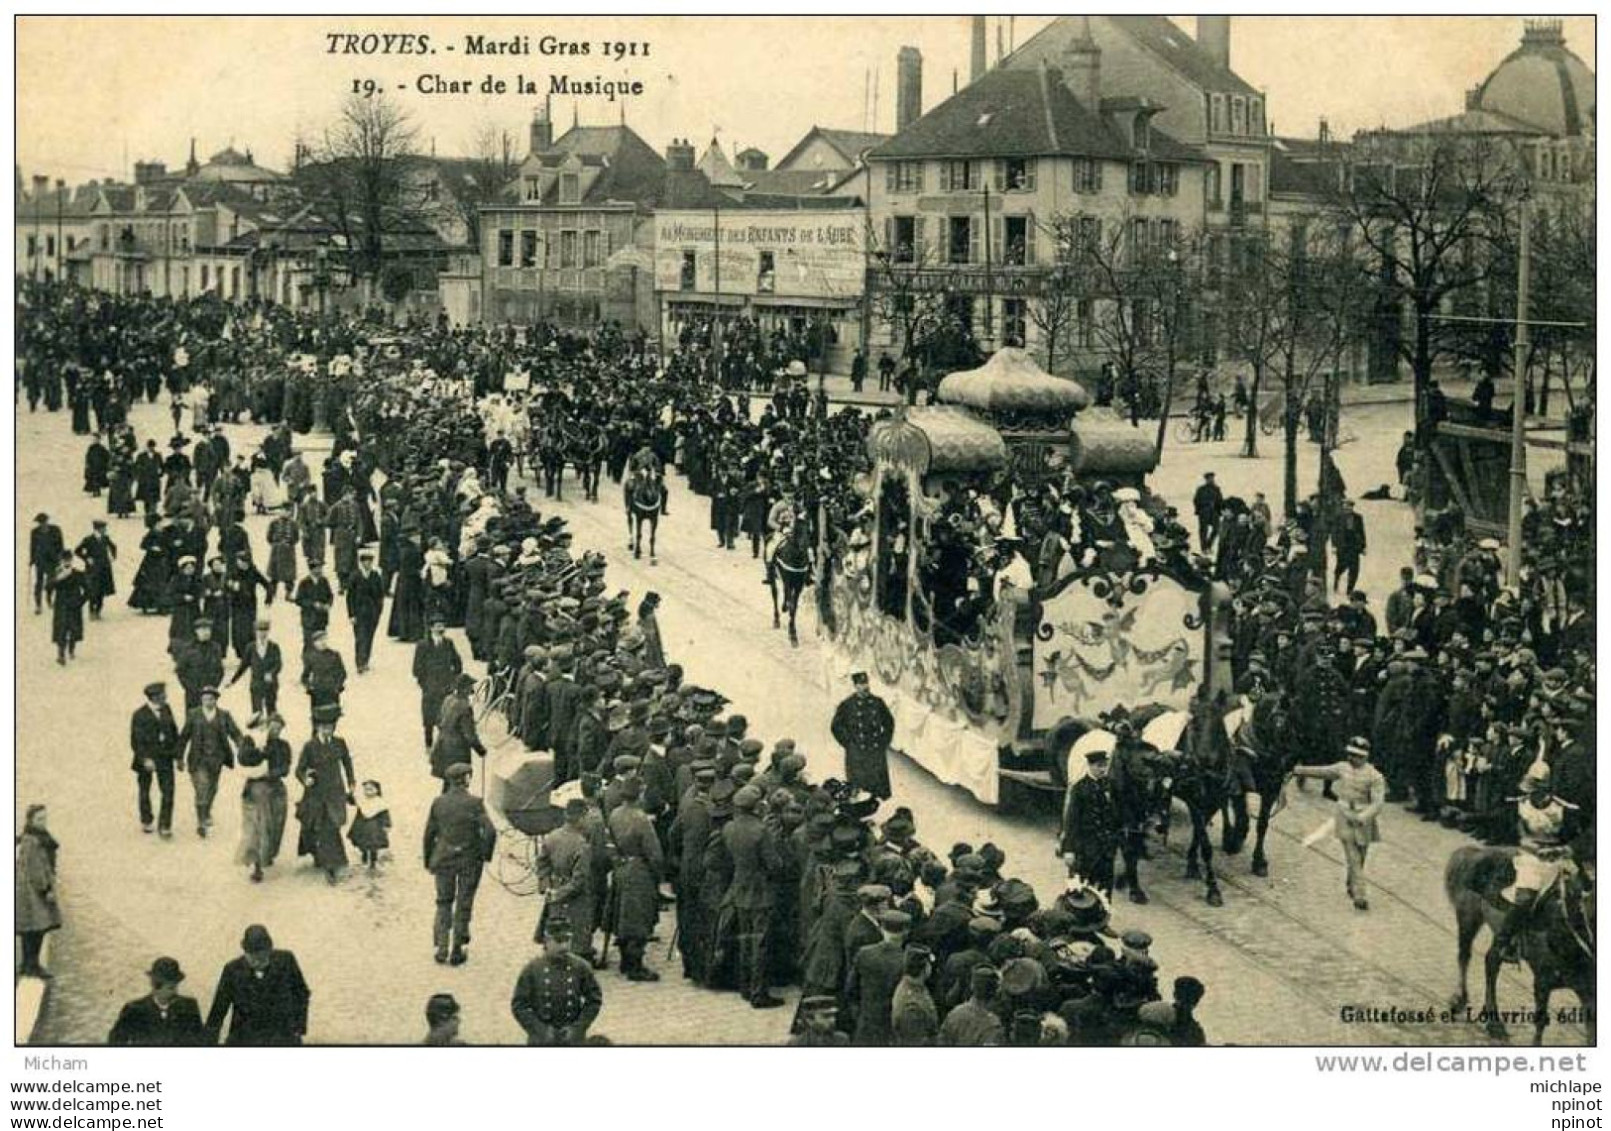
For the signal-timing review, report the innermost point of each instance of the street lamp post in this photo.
(1518, 399)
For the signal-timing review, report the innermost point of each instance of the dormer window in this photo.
(1143, 132)
(534, 190)
(570, 188)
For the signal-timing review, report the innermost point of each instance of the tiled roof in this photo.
(1020, 113)
(798, 182)
(1476, 122)
(1168, 40)
(852, 143)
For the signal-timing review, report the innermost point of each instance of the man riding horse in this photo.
(780, 520)
(644, 461)
(1543, 818)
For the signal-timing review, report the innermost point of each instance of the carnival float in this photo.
(1128, 621)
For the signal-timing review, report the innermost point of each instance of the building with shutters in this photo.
(962, 203)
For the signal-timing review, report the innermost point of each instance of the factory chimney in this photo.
(1214, 37)
(908, 87)
(977, 67)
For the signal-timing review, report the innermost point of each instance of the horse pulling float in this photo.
(990, 709)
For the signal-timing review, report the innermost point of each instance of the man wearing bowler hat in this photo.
(162, 1018)
(262, 993)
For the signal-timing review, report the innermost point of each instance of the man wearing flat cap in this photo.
(459, 840)
(207, 743)
(872, 980)
(199, 662)
(162, 1018)
(757, 866)
(864, 726)
(154, 741)
(366, 594)
(565, 870)
(638, 868)
(456, 735)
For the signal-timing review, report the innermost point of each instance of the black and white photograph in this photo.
(861, 531)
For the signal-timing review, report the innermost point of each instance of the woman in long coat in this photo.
(70, 589)
(150, 592)
(408, 600)
(325, 771)
(120, 487)
(37, 913)
(263, 800)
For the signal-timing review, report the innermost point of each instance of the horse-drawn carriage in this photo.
(1123, 627)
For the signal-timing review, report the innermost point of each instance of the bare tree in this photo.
(909, 293)
(480, 177)
(1427, 205)
(359, 176)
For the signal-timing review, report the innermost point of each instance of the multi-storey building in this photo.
(966, 200)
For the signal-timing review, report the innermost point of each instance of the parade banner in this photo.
(1100, 645)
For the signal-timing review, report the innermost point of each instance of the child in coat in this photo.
(371, 824)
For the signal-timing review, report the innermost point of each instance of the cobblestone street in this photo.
(1281, 959)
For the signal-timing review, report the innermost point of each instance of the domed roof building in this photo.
(1541, 84)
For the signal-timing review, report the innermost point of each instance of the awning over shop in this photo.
(937, 438)
(1011, 382)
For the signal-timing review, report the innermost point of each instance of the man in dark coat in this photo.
(98, 552)
(1349, 543)
(262, 658)
(637, 881)
(863, 725)
(324, 673)
(162, 1018)
(314, 597)
(753, 849)
(1206, 503)
(456, 736)
(1091, 825)
(459, 840)
(874, 973)
(148, 478)
(199, 663)
(45, 549)
(366, 594)
(478, 572)
(262, 993)
(154, 741)
(436, 666)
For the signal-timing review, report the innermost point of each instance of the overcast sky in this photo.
(97, 94)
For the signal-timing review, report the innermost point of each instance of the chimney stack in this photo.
(41, 186)
(542, 129)
(1084, 72)
(1214, 37)
(680, 155)
(977, 67)
(908, 87)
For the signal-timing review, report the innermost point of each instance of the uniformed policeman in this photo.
(556, 997)
(1091, 825)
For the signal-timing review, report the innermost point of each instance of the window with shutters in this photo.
(528, 249)
(1138, 238)
(1216, 113)
(592, 249)
(903, 239)
(1017, 232)
(506, 250)
(1138, 178)
(567, 249)
(1238, 114)
(1168, 179)
(904, 177)
(1015, 174)
(957, 176)
(959, 241)
(1087, 174)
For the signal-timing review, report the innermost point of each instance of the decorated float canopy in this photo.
(1104, 443)
(1011, 382)
(937, 439)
